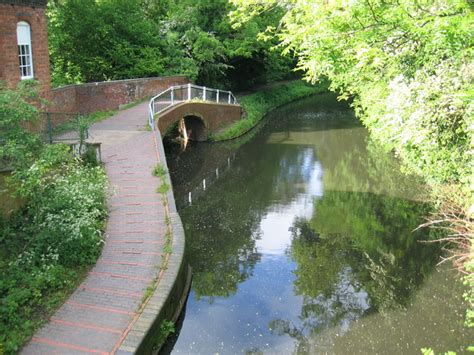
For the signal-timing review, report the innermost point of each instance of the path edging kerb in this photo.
(169, 296)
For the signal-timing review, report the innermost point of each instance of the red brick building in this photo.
(24, 43)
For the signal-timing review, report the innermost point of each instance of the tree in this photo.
(139, 38)
(407, 64)
(18, 117)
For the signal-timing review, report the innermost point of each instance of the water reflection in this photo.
(355, 256)
(306, 236)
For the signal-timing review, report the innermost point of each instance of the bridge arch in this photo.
(202, 118)
(196, 127)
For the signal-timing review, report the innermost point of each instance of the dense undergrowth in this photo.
(258, 104)
(48, 243)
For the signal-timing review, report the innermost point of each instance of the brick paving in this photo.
(98, 316)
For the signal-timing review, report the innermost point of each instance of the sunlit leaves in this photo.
(405, 63)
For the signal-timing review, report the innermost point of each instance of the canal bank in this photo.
(263, 100)
(140, 280)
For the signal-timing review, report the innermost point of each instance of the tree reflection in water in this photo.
(355, 256)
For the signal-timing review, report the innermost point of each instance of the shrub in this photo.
(18, 145)
(49, 243)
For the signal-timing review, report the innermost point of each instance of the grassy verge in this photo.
(49, 243)
(258, 104)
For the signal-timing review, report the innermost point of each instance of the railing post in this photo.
(217, 96)
(172, 95)
(204, 93)
(189, 91)
(228, 101)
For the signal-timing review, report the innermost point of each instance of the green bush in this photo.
(18, 146)
(427, 120)
(48, 244)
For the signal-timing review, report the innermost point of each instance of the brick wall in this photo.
(109, 95)
(12, 12)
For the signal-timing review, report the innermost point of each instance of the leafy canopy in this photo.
(407, 64)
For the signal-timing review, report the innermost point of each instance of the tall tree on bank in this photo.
(407, 64)
(92, 40)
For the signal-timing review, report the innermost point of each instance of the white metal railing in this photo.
(181, 93)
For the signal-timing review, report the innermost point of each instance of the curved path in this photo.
(112, 311)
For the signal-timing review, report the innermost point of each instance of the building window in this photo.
(23, 34)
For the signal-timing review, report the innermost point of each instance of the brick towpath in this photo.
(100, 313)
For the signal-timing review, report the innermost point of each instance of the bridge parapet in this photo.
(200, 119)
(175, 95)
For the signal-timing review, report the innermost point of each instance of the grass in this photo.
(159, 170)
(258, 104)
(168, 249)
(148, 292)
(163, 188)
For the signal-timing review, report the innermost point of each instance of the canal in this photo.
(301, 239)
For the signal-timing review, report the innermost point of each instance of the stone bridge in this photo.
(200, 110)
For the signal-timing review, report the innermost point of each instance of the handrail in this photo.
(185, 93)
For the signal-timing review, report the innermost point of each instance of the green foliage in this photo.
(81, 122)
(47, 243)
(112, 40)
(163, 188)
(167, 249)
(429, 116)
(133, 38)
(89, 157)
(148, 292)
(18, 145)
(408, 66)
(429, 351)
(159, 170)
(258, 104)
(166, 329)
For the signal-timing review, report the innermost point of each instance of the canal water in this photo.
(301, 239)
